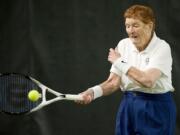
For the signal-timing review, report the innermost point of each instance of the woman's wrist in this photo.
(97, 91)
(121, 65)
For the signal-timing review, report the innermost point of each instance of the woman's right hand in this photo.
(88, 96)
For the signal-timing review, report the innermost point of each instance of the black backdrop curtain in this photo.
(64, 44)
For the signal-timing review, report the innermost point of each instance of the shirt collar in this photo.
(149, 47)
(151, 44)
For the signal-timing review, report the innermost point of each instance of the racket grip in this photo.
(73, 97)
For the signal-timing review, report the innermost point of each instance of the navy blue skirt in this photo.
(146, 114)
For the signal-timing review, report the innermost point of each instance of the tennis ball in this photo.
(34, 95)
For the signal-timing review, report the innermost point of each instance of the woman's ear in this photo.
(151, 25)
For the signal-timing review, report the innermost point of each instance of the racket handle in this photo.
(73, 97)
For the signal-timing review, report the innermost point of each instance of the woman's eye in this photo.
(136, 26)
(127, 26)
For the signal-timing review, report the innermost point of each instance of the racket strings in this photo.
(14, 91)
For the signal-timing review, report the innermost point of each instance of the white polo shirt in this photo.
(156, 55)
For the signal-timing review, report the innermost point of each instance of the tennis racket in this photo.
(14, 89)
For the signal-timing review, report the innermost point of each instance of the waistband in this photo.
(161, 97)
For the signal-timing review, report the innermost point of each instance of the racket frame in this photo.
(59, 96)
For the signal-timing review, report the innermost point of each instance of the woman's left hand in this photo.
(113, 55)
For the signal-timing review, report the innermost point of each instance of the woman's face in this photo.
(139, 32)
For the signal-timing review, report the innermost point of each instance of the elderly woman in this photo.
(141, 67)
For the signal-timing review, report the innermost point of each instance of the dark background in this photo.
(64, 44)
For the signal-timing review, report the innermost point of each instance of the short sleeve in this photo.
(121, 49)
(115, 70)
(162, 60)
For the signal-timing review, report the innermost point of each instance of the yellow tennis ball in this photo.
(34, 95)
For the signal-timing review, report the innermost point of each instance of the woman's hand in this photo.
(113, 55)
(88, 97)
